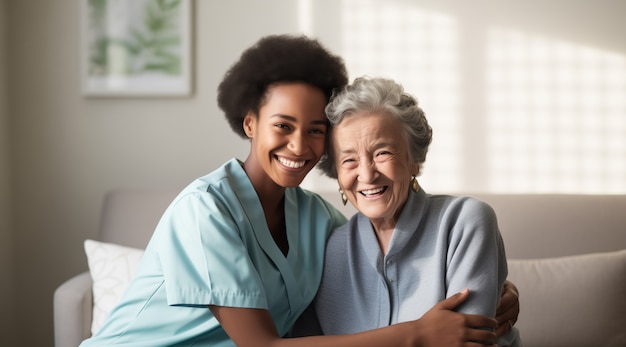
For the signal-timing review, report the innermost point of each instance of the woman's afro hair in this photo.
(275, 59)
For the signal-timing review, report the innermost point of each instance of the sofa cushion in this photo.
(572, 301)
(111, 267)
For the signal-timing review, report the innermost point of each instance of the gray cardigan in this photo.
(440, 246)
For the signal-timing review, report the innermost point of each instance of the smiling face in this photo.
(373, 166)
(287, 135)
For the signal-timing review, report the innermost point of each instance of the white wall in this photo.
(6, 240)
(68, 150)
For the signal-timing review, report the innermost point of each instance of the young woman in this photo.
(238, 254)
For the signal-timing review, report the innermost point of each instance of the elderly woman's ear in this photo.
(415, 169)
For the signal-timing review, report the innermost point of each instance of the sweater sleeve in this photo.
(476, 258)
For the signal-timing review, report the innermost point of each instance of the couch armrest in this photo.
(73, 302)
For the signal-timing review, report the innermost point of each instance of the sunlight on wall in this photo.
(556, 115)
(511, 112)
(420, 50)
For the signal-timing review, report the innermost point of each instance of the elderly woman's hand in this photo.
(508, 309)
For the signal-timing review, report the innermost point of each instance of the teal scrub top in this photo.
(212, 247)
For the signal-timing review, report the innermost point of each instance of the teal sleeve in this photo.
(204, 259)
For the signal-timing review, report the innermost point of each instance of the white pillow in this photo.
(572, 301)
(111, 267)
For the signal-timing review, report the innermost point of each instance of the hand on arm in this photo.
(508, 308)
(441, 326)
(438, 327)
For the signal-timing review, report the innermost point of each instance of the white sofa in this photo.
(567, 256)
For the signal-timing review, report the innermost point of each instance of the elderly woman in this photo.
(405, 250)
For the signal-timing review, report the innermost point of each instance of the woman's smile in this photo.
(373, 192)
(292, 164)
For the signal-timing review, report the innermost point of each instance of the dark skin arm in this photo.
(508, 308)
(440, 326)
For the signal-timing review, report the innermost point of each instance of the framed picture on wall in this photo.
(136, 47)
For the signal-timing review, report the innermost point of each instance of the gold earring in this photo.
(344, 199)
(414, 184)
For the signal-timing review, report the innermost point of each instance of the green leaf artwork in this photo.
(134, 37)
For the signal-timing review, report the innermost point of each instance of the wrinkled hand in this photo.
(441, 326)
(508, 308)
